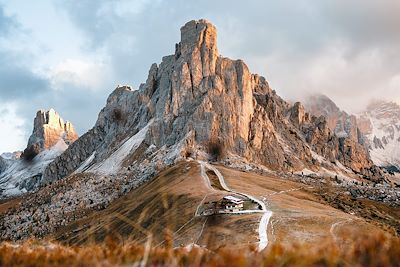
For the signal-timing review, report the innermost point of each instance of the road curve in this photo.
(263, 226)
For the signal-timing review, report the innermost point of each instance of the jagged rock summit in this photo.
(48, 129)
(50, 137)
(197, 96)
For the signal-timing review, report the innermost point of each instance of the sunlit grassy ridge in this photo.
(367, 250)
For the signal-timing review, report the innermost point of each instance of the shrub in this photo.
(31, 152)
(215, 149)
(118, 115)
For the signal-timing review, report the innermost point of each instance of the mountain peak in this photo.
(198, 33)
(198, 48)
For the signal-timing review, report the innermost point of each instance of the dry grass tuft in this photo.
(368, 250)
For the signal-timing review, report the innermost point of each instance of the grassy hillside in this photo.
(169, 202)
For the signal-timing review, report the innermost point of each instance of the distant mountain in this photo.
(22, 172)
(380, 123)
(342, 123)
(11, 155)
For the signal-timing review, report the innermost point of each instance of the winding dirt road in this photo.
(263, 226)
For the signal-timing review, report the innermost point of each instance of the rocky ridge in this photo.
(352, 141)
(3, 164)
(342, 123)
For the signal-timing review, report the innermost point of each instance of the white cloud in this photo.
(12, 134)
(79, 73)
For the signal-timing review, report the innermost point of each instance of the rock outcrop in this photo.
(342, 123)
(196, 96)
(48, 129)
(3, 164)
(353, 145)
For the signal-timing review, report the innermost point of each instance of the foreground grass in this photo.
(368, 250)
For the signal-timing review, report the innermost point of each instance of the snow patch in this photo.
(112, 164)
(85, 164)
(22, 175)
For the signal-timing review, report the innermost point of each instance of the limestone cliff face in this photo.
(352, 145)
(49, 128)
(197, 95)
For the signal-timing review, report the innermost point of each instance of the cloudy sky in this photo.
(69, 55)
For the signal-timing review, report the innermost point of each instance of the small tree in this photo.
(215, 149)
(31, 152)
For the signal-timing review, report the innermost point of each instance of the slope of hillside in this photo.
(174, 200)
(21, 176)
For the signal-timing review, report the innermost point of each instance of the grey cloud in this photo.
(282, 40)
(17, 81)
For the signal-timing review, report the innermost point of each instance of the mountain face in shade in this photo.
(20, 173)
(342, 123)
(197, 96)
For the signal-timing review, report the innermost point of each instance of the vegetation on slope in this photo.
(368, 250)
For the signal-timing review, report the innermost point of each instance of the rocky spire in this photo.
(49, 128)
(198, 47)
(198, 35)
(196, 97)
